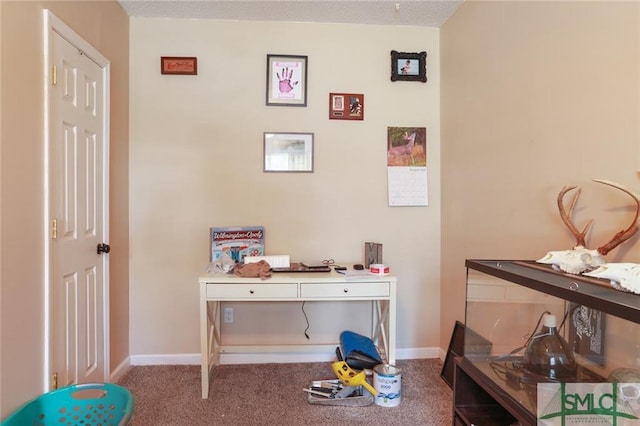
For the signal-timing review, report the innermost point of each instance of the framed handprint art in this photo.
(286, 80)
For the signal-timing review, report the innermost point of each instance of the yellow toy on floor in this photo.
(350, 377)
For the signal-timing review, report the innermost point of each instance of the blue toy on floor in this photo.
(359, 351)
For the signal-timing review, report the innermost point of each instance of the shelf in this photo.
(490, 415)
(593, 292)
(505, 298)
(479, 401)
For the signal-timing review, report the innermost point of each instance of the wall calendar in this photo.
(407, 166)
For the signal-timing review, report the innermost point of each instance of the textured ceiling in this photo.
(431, 13)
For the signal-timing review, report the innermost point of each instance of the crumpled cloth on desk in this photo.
(260, 269)
(222, 265)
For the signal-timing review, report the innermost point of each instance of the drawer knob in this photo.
(346, 290)
(251, 291)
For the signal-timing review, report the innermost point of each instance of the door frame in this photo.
(51, 24)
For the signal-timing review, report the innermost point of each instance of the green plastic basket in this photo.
(89, 404)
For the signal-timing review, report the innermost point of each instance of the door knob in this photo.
(103, 248)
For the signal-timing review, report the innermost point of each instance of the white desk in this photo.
(293, 287)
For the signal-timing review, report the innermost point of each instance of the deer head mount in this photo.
(580, 258)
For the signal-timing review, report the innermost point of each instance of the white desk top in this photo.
(294, 277)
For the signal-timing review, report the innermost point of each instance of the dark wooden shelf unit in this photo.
(481, 401)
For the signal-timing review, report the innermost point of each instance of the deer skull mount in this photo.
(623, 276)
(581, 259)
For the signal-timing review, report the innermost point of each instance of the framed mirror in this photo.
(288, 152)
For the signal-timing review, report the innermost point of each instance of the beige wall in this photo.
(196, 162)
(535, 95)
(105, 26)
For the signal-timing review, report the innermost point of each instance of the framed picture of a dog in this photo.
(407, 66)
(346, 106)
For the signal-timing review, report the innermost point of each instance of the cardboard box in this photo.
(237, 242)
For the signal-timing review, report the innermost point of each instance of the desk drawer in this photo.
(346, 290)
(252, 291)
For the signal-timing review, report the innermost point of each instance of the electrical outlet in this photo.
(228, 314)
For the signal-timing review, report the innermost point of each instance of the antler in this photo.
(566, 216)
(625, 234)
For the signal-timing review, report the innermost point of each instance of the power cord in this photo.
(307, 320)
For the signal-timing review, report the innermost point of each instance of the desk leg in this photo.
(392, 323)
(384, 326)
(379, 333)
(214, 332)
(392, 331)
(204, 343)
(209, 338)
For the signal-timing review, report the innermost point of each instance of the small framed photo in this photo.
(346, 106)
(179, 65)
(286, 80)
(408, 66)
(288, 152)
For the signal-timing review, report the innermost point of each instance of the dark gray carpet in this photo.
(271, 394)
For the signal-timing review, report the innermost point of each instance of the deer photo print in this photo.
(407, 166)
(406, 146)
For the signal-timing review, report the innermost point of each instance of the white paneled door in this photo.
(78, 253)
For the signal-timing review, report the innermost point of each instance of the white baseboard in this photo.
(120, 370)
(265, 358)
(166, 359)
(417, 353)
(443, 354)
